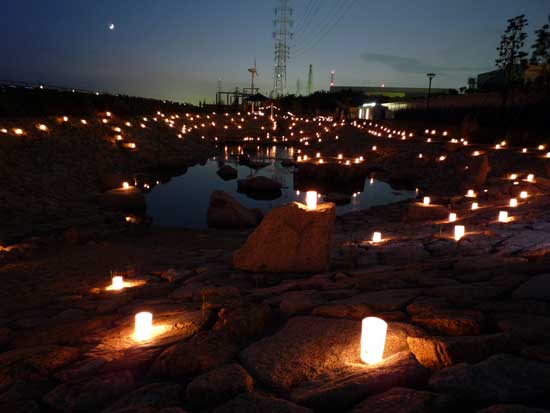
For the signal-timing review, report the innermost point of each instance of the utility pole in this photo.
(310, 80)
(331, 85)
(430, 76)
(219, 94)
(298, 86)
(283, 23)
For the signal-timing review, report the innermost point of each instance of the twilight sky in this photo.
(178, 49)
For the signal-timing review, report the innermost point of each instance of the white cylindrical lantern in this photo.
(530, 177)
(426, 200)
(117, 282)
(475, 206)
(523, 195)
(311, 200)
(452, 217)
(471, 193)
(459, 232)
(376, 237)
(143, 326)
(373, 339)
(503, 216)
(513, 202)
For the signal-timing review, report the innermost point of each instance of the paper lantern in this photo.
(117, 283)
(475, 206)
(452, 217)
(503, 216)
(426, 200)
(143, 327)
(513, 202)
(459, 232)
(530, 178)
(311, 200)
(125, 185)
(523, 194)
(376, 237)
(471, 193)
(373, 339)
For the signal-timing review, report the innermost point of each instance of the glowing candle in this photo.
(452, 217)
(530, 177)
(475, 206)
(471, 193)
(513, 202)
(373, 339)
(459, 232)
(523, 194)
(513, 177)
(125, 185)
(476, 153)
(117, 282)
(143, 327)
(426, 200)
(311, 200)
(503, 216)
(376, 237)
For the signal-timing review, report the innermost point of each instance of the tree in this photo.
(512, 59)
(541, 53)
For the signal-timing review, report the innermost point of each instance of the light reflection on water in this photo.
(183, 201)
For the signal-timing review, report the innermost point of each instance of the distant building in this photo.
(391, 92)
(493, 80)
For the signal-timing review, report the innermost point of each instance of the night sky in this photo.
(178, 49)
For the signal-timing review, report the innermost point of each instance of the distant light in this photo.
(111, 26)
(459, 232)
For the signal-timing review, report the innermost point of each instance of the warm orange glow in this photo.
(530, 178)
(376, 237)
(117, 282)
(452, 217)
(513, 202)
(503, 216)
(426, 200)
(475, 206)
(471, 193)
(18, 131)
(42, 127)
(523, 195)
(143, 327)
(125, 185)
(373, 339)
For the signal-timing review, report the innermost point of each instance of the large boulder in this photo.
(227, 172)
(258, 184)
(290, 238)
(225, 211)
(256, 403)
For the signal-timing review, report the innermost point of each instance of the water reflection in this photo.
(183, 200)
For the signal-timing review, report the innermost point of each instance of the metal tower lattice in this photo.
(310, 80)
(283, 23)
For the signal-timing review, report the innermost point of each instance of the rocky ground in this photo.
(469, 321)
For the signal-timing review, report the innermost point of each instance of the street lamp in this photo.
(430, 76)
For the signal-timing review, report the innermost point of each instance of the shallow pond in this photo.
(183, 200)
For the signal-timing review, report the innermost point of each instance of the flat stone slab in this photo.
(499, 379)
(537, 288)
(339, 390)
(255, 403)
(403, 400)
(307, 348)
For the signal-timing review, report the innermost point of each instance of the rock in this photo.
(120, 199)
(499, 379)
(478, 169)
(258, 184)
(43, 359)
(440, 352)
(540, 352)
(309, 347)
(403, 400)
(255, 403)
(384, 300)
(512, 408)
(402, 253)
(243, 321)
(537, 288)
(531, 328)
(204, 351)
(225, 212)
(290, 238)
(20, 406)
(340, 389)
(338, 198)
(91, 394)
(152, 396)
(420, 212)
(451, 322)
(227, 172)
(295, 302)
(218, 386)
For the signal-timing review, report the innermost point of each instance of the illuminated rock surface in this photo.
(290, 238)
